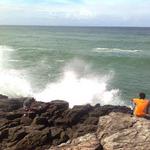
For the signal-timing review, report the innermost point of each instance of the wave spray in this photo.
(79, 88)
(78, 84)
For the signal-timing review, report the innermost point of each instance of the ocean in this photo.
(106, 65)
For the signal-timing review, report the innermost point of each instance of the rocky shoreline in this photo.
(54, 126)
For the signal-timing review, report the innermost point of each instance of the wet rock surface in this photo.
(48, 125)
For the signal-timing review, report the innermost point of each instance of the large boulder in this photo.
(119, 131)
(78, 114)
(56, 107)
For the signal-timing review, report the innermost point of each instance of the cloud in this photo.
(76, 12)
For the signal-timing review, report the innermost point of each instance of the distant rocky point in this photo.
(54, 126)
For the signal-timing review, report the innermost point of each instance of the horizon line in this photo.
(36, 25)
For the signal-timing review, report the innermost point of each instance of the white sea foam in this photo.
(60, 60)
(115, 50)
(81, 90)
(12, 82)
(14, 60)
(78, 88)
(6, 48)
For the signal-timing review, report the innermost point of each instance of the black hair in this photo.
(142, 95)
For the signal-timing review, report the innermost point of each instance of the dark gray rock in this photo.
(40, 121)
(48, 124)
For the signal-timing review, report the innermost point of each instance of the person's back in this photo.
(141, 106)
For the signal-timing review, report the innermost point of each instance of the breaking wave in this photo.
(77, 85)
(13, 84)
(78, 91)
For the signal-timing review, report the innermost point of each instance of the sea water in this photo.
(106, 65)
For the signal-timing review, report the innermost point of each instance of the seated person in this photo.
(141, 106)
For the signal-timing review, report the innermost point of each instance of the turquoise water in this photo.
(40, 56)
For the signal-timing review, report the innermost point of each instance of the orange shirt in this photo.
(140, 107)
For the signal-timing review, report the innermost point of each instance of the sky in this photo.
(75, 12)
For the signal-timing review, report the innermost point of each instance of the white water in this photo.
(78, 91)
(115, 50)
(79, 85)
(12, 82)
(74, 86)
